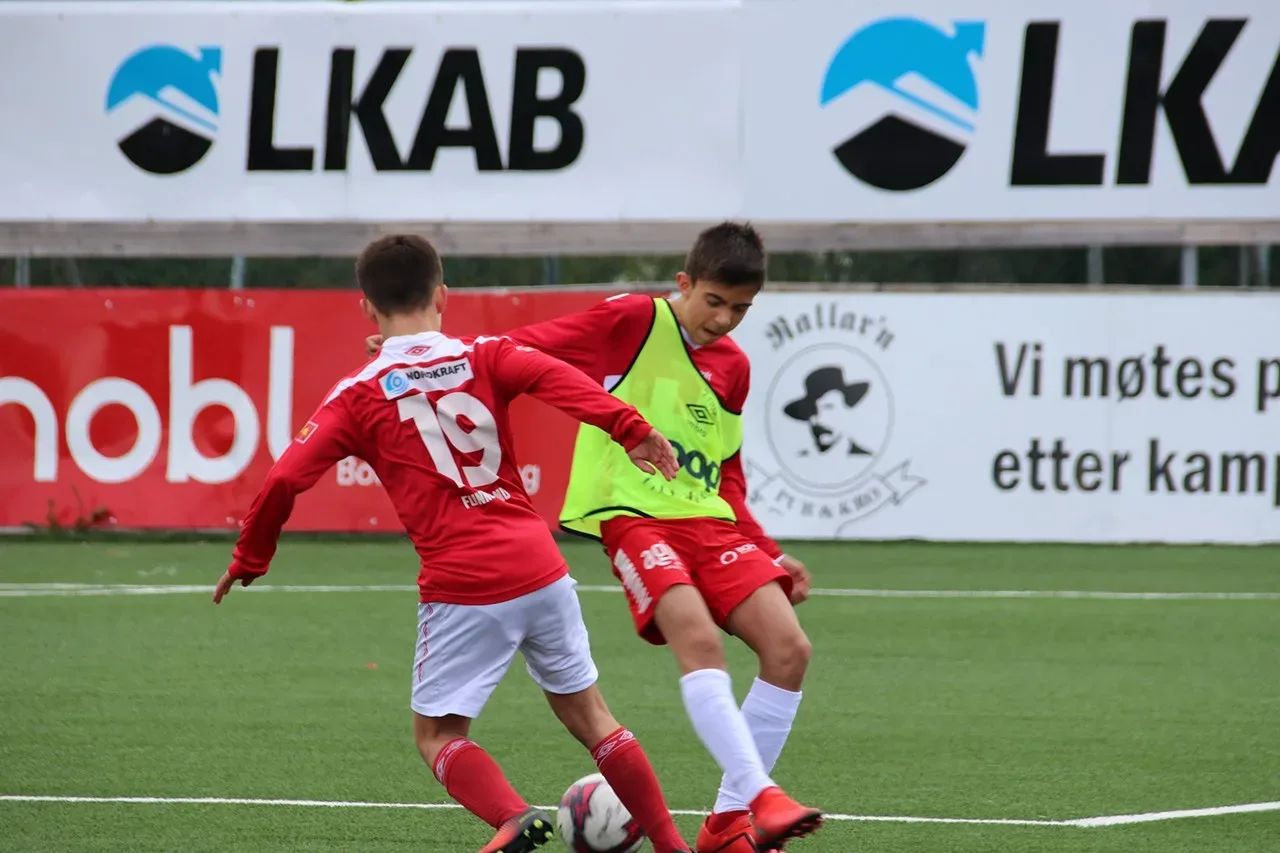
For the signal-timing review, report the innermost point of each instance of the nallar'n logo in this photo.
(829, 420)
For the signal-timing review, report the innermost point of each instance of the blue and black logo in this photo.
(928, 71)
(180, 98)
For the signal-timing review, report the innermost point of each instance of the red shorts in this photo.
(652, 555)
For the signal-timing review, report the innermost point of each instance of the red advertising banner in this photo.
(145, 408)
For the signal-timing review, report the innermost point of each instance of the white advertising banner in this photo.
(599, 112)
(461, 111)
(1036, 417)
(994, 110)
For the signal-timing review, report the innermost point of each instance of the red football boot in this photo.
(733, 833)
(778, 818)
(522, 834)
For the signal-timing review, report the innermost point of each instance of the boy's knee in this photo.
(701, 648)
(785, 660)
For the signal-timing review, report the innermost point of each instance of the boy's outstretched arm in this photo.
(325, 440)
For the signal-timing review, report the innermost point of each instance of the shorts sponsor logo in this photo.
(731, 556)
(659, 556)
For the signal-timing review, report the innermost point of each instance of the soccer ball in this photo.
(593, 820)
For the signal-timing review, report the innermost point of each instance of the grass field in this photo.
(947, 704)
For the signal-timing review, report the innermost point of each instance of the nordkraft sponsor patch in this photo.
(436, 377)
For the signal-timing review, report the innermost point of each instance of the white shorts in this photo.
(464, 650)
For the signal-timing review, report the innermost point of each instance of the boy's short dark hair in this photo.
(399, 273)
(729, 253)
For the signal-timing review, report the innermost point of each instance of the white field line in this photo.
(25, 590)
(1149, 817)
(1088, 822)
(18, 590)
(1050, 593)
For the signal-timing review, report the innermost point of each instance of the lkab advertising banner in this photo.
(990, 110)
(467, 111)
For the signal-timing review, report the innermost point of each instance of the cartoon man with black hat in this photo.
(828, 406)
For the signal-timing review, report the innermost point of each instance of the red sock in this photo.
(627, 769)
(476, 781)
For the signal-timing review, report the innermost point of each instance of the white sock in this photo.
(769, 712)
(708, 699)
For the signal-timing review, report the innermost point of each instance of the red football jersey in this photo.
(429, 415)
(604, 340)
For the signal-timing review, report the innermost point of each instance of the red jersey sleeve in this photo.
(733, 479)
(600, 341)
(733, 488)
(326, 439)
(519, 369)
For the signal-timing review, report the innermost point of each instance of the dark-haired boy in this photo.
(429, 415)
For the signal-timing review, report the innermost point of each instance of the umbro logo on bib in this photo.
(701, 414)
